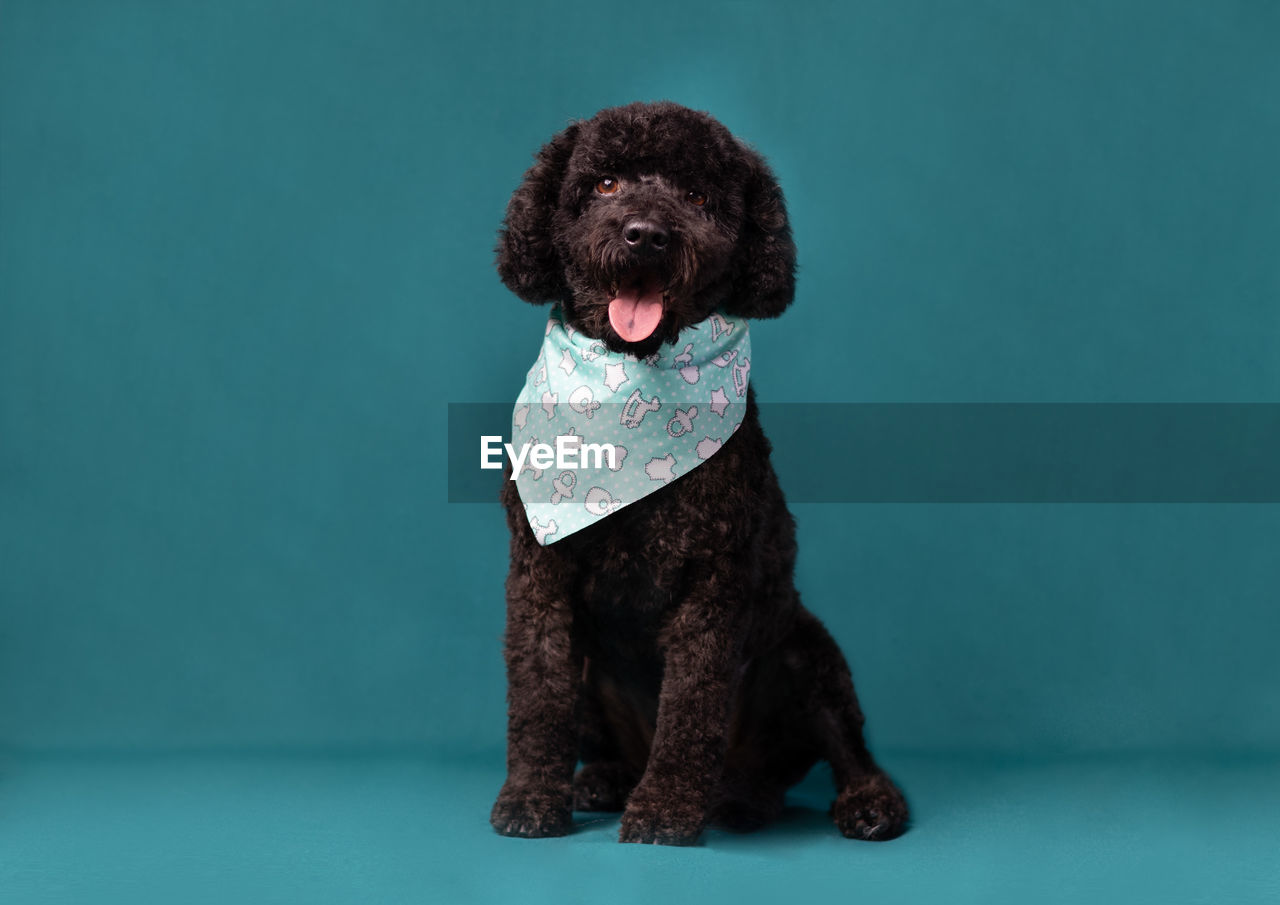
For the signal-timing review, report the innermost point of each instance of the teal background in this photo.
(246, 262)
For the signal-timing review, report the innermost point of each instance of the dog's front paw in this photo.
(531, 812)
(872, 809)
(672, 820)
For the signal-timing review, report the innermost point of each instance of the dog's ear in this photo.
(764, 266)
(527, 258)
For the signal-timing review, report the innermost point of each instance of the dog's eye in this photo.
(607, 186)
(696, 198)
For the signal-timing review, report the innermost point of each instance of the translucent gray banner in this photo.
(977, 453)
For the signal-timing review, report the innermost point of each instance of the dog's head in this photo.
(645, 219)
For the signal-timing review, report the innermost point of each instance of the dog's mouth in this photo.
(636, 305)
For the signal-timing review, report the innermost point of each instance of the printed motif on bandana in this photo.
(663, 415)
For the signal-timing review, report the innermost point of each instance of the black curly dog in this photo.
(666, 647)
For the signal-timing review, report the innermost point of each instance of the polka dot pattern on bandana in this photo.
(661, 416)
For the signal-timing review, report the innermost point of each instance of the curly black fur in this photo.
(665, 647)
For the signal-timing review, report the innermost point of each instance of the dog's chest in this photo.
(619, 595)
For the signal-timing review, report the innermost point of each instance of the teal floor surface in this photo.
(391, 829)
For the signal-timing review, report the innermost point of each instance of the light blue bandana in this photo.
(663, 415)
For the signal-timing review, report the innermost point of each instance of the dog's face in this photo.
(645, 219)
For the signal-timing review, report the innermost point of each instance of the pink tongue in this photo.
(636, 311)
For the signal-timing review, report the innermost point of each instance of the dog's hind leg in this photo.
(868, 805)
(772, 744)
(603, 785)
(605, 778)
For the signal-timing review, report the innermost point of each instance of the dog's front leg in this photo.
(544, 671)
(670, 804)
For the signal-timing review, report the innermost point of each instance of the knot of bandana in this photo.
(637, 424)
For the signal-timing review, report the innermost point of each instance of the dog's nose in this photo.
(645, 235)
